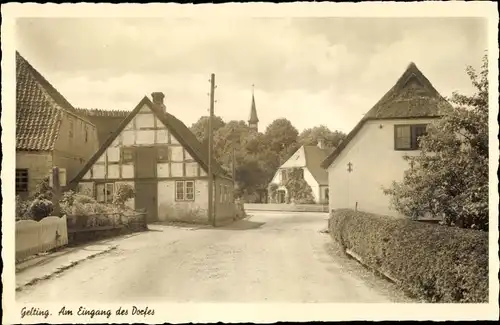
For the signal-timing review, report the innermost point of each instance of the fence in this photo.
(33, 237)
(286, 207)
(90, 227)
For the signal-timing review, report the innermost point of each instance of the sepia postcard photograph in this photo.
(249, 162)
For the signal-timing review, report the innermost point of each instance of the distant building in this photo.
(308, 159)
(106, 121)
(49, 131)
(157, 155)
(371, 156)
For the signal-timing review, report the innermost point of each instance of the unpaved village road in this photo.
(273, 257)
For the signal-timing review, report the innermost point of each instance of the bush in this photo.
(432, 262)
(450, 175)
(43, 190)
(40, 208)
(123, 193)
(22, 209)
(85, 211)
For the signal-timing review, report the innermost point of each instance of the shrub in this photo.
(123, 193)
(43, 190)
(450, 175)
(22, 209)
(40, 208)
(85, 211)
(432, 262)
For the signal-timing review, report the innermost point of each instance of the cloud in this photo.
(311, 70)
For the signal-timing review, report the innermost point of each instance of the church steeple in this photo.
(253, 120)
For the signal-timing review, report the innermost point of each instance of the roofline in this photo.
(43, 82)
(337, 151)
(161, 116)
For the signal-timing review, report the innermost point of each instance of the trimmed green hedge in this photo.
(431, 262)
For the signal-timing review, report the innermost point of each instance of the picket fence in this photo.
(33, 237)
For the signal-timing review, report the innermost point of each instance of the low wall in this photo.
(33, 237)
(286, 207)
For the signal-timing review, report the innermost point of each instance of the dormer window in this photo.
(406, 137)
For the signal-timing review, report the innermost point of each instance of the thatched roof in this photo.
(106, 121)
(413, 96)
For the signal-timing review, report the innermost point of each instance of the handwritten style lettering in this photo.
(33, 311)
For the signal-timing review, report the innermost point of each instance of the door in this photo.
(281, 196)
(145, 162)
(146, 194)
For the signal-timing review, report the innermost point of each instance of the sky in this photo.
(312, 71)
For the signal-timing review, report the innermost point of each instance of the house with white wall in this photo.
(308, 159)
(157, 155)
(371, 156)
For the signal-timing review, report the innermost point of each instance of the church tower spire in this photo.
(253, 120)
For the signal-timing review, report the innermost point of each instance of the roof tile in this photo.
(39, 108)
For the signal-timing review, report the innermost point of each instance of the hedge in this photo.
(431, 262)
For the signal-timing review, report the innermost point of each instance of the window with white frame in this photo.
(105, 192)
(184, 190)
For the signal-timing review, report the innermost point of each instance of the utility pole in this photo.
(234, 168)
(211, 216)
(56, 192)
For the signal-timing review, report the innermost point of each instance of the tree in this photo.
(298, 189)
(449, 177)
(282, 138)
(123, 193)
(232, 135)
(200, 128)
(309, 137)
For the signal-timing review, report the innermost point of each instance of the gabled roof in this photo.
(175, 126)
(106, 121)
(309, 157)
(413, 96)
(314, 157)
(39, 108)
(253, 112)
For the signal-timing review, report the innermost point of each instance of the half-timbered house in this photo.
(157, 155)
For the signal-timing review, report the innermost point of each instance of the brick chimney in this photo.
(321, 143)
(158, 100)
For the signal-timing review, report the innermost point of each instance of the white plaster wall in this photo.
(127, 171)
(375, 164)
(113, 154)
(162, 170)
(308, 177)
(176, 169)
(298, 159)
(145, 137)
(98, 171)
(168, 208)
(191, 169)
(113, 171)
